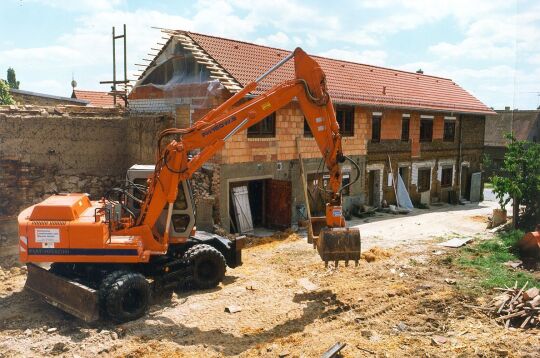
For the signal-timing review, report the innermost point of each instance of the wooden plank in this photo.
(242, 209)
(304, 187)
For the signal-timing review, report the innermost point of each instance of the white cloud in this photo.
(279, 39)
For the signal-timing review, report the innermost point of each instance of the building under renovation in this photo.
(427, 129)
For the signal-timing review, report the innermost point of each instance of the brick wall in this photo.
(289, 126)
(413, 154)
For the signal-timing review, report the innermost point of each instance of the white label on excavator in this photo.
(48, 245)
(336, 213)
(48, 235)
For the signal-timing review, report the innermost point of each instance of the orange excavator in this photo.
(109, 257)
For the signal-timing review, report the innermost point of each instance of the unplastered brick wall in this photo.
(289, 126)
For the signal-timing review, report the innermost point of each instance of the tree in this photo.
(12, 79)
(5, 96)
(520, 180)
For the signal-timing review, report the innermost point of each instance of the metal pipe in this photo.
(275, 67)
(236, 129)
(125, 66)
(114, 64)
(169, 215)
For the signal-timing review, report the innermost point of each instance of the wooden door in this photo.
(278, 197)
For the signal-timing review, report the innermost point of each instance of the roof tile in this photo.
(348, 82)
(96, 98)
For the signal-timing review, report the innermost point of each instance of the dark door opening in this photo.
(404, 173)
(256, 201)
(465, 183)
(373, 188)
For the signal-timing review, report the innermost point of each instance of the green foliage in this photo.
(12, 79)
(5, 96)
(487, 162)
(520, 179)
(487, 260)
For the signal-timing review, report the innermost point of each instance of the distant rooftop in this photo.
(76, 101)
(95, 98)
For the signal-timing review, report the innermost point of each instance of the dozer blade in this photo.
(339, 244)
(72, 297)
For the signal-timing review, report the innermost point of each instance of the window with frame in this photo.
(426, 130)
(263, 129)
(449, 130)
(405, 129)
(446, 177)
(307, 130)
(424, 179)
(345, 119)
(376, 120)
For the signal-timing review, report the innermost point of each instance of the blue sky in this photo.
(489, 47)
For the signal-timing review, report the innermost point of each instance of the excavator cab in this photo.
(183, 212)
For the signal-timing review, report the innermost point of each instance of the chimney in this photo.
(419, 71)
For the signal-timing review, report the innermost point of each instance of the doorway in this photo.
(404, 174)
(261, 203)
(374, 185)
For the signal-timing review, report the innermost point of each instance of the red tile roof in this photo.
(96, 98)
(348, 82)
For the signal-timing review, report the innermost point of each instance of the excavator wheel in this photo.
(208, 265)
(126, 296)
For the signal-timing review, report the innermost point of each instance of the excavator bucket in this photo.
(334, 244)
(72, 297)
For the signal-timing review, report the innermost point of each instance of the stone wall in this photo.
(44, 150)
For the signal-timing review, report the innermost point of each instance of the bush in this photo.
(5, 96)
(520, 180)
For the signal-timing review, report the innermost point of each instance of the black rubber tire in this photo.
(108, 280)
(208, 265)
(127, 298)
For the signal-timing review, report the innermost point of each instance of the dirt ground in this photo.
(398, 304)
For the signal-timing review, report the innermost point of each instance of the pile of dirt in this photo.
(280, 236)
(375, 254)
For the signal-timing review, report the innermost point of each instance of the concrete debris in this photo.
(456, 242)
(233, 309)
(402, 327)
(307, 284)
(52, 329)
(514, 264)
(450, 281)
(438, 340)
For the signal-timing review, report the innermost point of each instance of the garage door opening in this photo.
(262, 203)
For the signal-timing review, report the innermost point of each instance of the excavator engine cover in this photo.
(339, 244)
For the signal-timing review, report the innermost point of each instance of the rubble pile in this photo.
(517, 307)
(200, 185)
